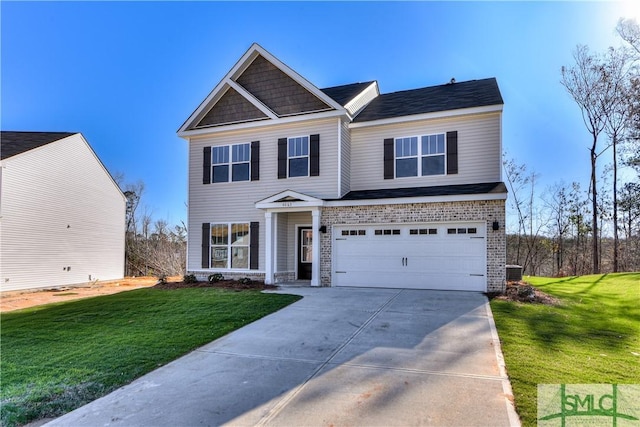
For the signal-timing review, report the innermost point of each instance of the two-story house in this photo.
(345, 186)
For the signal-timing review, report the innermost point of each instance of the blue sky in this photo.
(128, 74)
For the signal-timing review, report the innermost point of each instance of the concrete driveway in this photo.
(338, 357)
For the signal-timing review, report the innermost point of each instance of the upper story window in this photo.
(298, 156)
(420, 156)
(231, 163)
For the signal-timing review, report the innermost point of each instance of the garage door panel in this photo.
(419, 256)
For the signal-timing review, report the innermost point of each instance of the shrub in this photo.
(189, 278)
(215, 277)
(245, 281)
(162, 279)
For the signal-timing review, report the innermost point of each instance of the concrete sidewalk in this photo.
(339, 356)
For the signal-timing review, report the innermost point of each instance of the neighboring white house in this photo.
(62, 216)
(345, 186)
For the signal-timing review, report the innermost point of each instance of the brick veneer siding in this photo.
(488, 211)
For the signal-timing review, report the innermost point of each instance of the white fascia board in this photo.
(214, 95)
(429, 116)
(361, 95)
(408, 200)
(260, 123)
(252, 99)
(288, 193)
(242, 63)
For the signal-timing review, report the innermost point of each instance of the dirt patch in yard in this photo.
(525, 293)
(222, 284)
(17, 300)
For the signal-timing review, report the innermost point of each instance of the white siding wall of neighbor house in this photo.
(62, 218)
(479, 156)
(235, 201)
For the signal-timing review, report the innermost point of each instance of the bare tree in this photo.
(522, 186)
(584, 82)
(616, 78)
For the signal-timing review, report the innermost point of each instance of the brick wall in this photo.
(488, 211)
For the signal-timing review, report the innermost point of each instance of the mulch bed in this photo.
(222, 284)
(525, 293)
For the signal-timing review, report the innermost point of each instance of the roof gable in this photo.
(13, 143)
(452, 96)
(273, 89)
(231, 108)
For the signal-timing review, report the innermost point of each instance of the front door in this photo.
(305, 254)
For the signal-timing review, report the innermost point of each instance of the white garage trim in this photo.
(436, 255)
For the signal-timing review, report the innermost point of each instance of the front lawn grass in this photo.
(58, 357)
(591, 337)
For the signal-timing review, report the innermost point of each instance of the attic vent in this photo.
(452, 81)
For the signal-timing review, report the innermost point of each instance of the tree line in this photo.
(568, 230)
(152, 247)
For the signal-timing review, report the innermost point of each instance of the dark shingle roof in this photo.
(345, 93)
(13, 143)
(472, 93)
(442, 190)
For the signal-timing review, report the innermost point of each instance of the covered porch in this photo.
(292, 237)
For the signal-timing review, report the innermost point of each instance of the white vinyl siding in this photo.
(63, 218)
(236, 200)
(479, 156)
(345, 180)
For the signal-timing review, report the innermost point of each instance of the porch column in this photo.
(268, 248)
(315, 247)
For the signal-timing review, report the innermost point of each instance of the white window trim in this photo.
(230, 163)
(419, 156)
(308, 156)
(229, 246)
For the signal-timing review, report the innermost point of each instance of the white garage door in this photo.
(419, 256)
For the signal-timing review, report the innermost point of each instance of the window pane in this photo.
(433, 165)
(441, 143)
(398, 148)
(240, 257)
(220, 154)
(425, 145)
(240, 172)
(221, 173)
(219, 257)
(239, 234)
(219, 234)
(299, 167)
(433, 145)
(304, 141)
(406, 167)
(414, 146)
(241, 153)
(292, 147)
(307, 254)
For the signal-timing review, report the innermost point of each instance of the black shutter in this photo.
(206, 244)
(314, 155)
(282, 158)
(255, 160)
(254, 237)
(452, 152)
(388, 158)
(206, 166)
